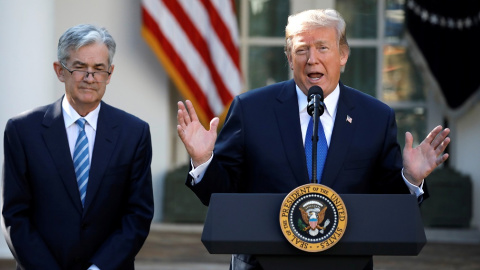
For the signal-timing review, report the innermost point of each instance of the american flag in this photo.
(197, 43)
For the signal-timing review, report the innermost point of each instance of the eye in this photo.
(301, 51)
(322, 48)
(79, 67)
(100, 67)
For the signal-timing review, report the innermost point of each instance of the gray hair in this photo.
(312, 19)
(81, 35)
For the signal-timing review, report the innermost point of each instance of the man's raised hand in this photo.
(198, 141)
(420, 161)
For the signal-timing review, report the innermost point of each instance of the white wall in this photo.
(467, 152)
(26, 54)
(26, 72)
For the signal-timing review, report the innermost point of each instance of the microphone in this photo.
(315, 108)
(315, 100)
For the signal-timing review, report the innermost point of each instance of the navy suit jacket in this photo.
(260, 148)
(44, 223)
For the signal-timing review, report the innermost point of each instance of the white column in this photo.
(27, 51)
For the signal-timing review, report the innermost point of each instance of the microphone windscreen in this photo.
(315, 90)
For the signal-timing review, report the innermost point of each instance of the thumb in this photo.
(214, 124)
(408, 140)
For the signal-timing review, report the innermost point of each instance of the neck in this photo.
(83, 109)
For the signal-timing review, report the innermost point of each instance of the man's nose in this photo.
(313, 56)
(89, 78)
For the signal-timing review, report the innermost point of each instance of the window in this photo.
(262, 36)
(376, 34)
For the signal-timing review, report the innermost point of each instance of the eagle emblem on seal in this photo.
(313, 214)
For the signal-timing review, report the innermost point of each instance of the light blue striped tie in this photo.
(81, 161)
(322, 149)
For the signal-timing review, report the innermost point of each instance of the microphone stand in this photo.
(316, 118)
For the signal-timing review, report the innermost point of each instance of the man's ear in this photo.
(59, 71)
(112, 67)
(344, 53)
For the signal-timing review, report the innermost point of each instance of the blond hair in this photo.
(312, 19)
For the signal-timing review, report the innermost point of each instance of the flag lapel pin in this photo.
(349, 119)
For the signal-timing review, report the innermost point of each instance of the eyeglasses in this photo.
(80, 75)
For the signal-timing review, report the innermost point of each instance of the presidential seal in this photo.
(313, 217)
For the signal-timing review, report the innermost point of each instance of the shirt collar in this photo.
(330, 101)
(71, 116)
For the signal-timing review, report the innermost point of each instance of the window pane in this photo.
(266, 65)
(401, 80)
(360, 16)
(394, 20)
(268, 17)
(413, 120)
(360, 71)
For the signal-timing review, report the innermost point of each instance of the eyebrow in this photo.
(80, 63)
(315, 43)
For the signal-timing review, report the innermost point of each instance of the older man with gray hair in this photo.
(77, 184)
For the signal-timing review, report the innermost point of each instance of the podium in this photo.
(383, 224)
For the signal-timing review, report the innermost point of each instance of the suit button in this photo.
(84, 226)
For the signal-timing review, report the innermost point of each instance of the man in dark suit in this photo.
(261, 146)
(77, 184)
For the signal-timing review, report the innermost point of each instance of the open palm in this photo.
(198, 141)
(420, 161)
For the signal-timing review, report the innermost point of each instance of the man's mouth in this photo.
(88, 89)
(315, 76)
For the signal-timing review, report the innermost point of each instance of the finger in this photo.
(181, 106)
(440, 138)
(191, 111)
(182, 115)
(181, 119)
(431, 136)
(214, 124)
(442, 158)
(408, 140)
(442, 146)
(180, 132)
(186, 113)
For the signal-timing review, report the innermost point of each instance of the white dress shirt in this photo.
(70, 116)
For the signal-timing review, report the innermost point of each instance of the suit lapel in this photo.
(286, 111)
(105, 141)
(343, 132)
(56, 141)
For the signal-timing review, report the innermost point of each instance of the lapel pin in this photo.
(349, 119)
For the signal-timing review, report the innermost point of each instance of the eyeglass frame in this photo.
(87, 72)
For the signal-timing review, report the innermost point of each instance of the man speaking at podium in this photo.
(261, 148)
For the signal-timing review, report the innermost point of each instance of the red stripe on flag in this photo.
(177, 62)
(223, 33)
(201, 47)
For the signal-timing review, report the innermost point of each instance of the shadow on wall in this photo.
(180, 204)
(450, 202)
